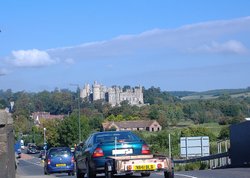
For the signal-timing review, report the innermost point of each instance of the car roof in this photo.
(112, 132)
(59, 148)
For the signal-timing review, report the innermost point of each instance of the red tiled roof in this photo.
(130, 124)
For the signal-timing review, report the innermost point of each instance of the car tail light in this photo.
(72, 160)
(145, 149)
(98, 153)
(49, 161)
(129, 167)
(159, 166)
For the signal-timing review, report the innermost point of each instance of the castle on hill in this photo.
(113, 95)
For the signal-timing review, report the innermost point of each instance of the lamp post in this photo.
(79, 123)
(44, 140)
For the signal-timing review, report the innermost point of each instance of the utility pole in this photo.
(79, 123)
(44, 140)
(169, 146)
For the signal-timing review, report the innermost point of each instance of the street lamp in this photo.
(44, 140)
(79, 123)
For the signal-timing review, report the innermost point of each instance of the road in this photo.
(31, 167)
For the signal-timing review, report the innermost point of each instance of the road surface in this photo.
(32, 167)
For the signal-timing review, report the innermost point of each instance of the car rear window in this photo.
(59, 152)
(110, 137)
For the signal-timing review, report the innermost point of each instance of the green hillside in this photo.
(213, 94)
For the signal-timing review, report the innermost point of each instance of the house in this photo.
(147, 125)
(36, 116)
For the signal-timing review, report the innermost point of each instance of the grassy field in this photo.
(213, 127)
(210, 96)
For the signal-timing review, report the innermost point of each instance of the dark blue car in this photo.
(59, 160)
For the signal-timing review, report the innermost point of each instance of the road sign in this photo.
(194, 146)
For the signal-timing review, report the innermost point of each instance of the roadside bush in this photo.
(191, 166)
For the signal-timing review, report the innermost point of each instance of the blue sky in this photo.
(171, 44)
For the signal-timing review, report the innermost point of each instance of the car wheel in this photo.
(145, 174)
(90, 173)
(168, 175)
(108, 174)
(129, 174)
(45, 172)
(71, 173)
(79, 174)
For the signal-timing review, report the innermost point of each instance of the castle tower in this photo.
(85, 92)
(96, 91)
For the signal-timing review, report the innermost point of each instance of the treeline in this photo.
(167, 109)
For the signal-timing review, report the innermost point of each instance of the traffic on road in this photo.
(32, 166)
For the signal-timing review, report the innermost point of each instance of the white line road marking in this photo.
(37, 164)
(184, 175)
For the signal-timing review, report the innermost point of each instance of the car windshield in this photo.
(119, 136)
(59, 152)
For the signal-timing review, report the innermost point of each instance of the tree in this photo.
(69, 132)
(224, 133)
(197, 131)
(52, 131)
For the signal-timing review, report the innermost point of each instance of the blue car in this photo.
(18, 149)
(92, 155)
(59, 160)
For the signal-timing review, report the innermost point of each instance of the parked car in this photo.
(59, 160)
(42, 154)
(17, 147)
(32, 149)
(107, 147)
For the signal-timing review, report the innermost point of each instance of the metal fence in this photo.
(213, 161)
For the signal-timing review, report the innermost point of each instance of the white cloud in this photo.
(31, 58)
(217, 37)
(197, 37)
(231, 46)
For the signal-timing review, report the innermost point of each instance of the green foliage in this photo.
(159, 142)
(224, 133)
(120, 117)
(191, 166)
(155, 96)
(197, 131)
(3, 103)
(52, 132)
(168, 110)
(95, 122)
(22, 124)
(68, 130)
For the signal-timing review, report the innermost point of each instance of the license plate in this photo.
(60, 165)
(122, 151)
(144, 167)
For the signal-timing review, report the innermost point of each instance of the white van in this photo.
(22, 144)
